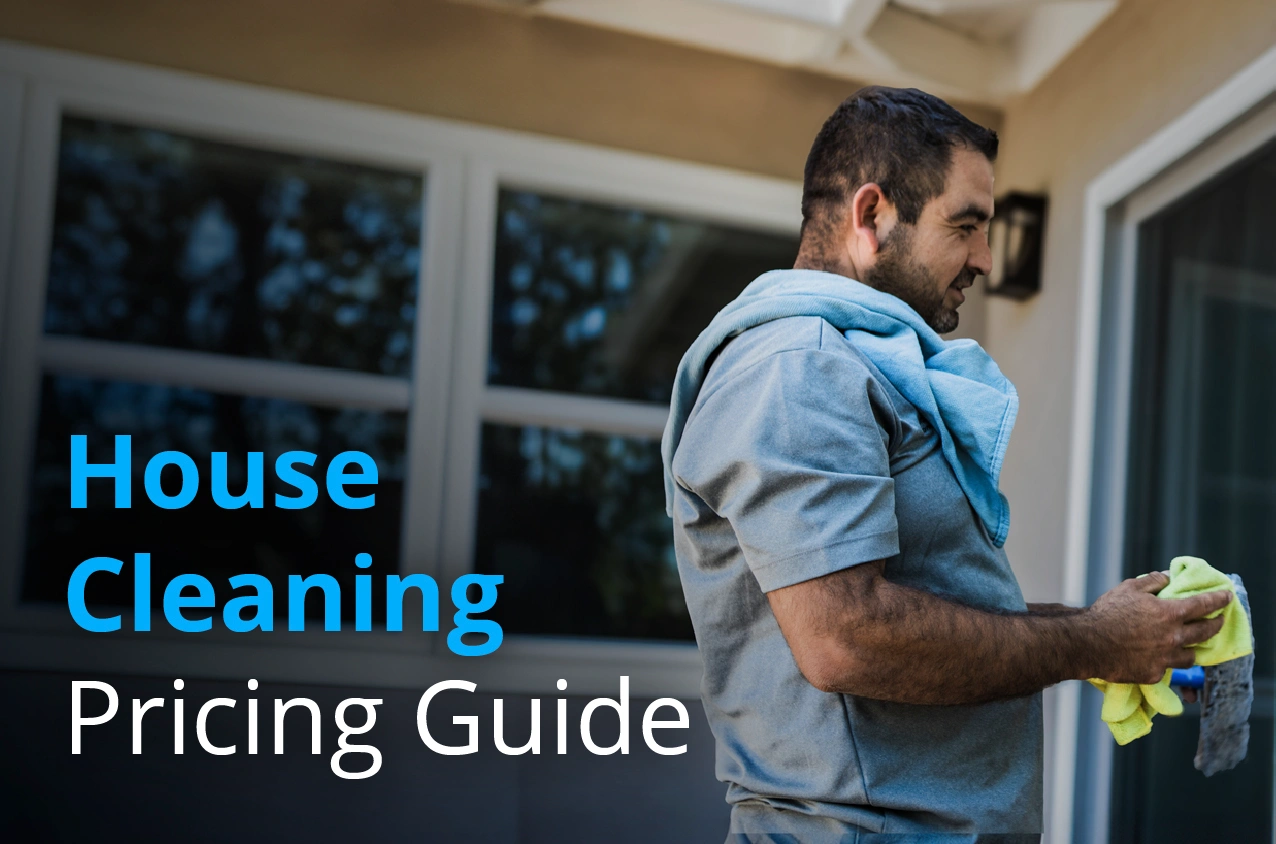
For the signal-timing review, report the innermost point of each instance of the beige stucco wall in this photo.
(469, 63)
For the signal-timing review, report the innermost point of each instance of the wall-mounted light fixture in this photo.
(1015, 236)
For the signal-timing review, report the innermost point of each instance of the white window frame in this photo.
(447, 398)
(1225, 126)
(599, 176)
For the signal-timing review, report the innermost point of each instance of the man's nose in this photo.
(980, 259)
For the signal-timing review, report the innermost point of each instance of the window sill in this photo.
(522, 665)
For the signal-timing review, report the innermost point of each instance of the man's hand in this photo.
(856, 632)
(1139, 636)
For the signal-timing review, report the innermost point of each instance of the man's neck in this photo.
(844, 270)
(809, 259)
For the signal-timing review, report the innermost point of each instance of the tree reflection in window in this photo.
(604, 300)
(201, 537)
(167, 240)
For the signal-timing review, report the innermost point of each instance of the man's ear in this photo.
(872, 218)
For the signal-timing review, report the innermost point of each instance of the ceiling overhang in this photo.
(981, 51)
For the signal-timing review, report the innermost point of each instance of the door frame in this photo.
(1229, 123)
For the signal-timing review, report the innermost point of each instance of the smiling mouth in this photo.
(961, 284)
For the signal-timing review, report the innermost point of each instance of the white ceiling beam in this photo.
(1052, 32)
(855, 22)
(921, 47)
(977, 50)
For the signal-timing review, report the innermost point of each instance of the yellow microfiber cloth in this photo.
(1128, 708)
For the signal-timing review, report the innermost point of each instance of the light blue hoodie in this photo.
(954, 384)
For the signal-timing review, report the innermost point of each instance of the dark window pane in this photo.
(168, 240)
(202, 538)
(1202, 476)
(1179, 804)
(1238, 343)
(1235, 499)
(576, 523)
(604, 300)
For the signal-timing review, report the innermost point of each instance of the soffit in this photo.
(981, 51)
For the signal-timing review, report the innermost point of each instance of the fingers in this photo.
(1199, 606)
(1195, 632)
(1182, 658)
(1152, 582)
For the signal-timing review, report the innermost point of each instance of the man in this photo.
(871, 667)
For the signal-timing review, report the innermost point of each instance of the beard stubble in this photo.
(898, 273)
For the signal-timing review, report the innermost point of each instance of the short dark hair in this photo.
(902, 139)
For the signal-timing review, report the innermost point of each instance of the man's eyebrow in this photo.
(971, 212)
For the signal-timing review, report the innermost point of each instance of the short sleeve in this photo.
(793, 452)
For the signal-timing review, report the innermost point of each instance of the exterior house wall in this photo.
(468, 63)
(1147, 64)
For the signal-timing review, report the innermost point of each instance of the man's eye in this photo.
(969, 229)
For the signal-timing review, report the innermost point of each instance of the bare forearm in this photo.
(855, 632)
(892, 642)
(1054, 609)
(919, 648)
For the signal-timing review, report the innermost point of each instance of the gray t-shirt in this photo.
(799, 459)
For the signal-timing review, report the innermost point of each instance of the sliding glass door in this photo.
(1202, 475)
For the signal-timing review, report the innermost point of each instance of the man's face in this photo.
(928, 264)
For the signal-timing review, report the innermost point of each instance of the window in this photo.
(494, 318)
(599, 300)
(603, 300)
(162, 241)
(1203, 473)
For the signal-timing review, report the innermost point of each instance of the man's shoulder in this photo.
(784, 400)
(796, 334)
(789, 366)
